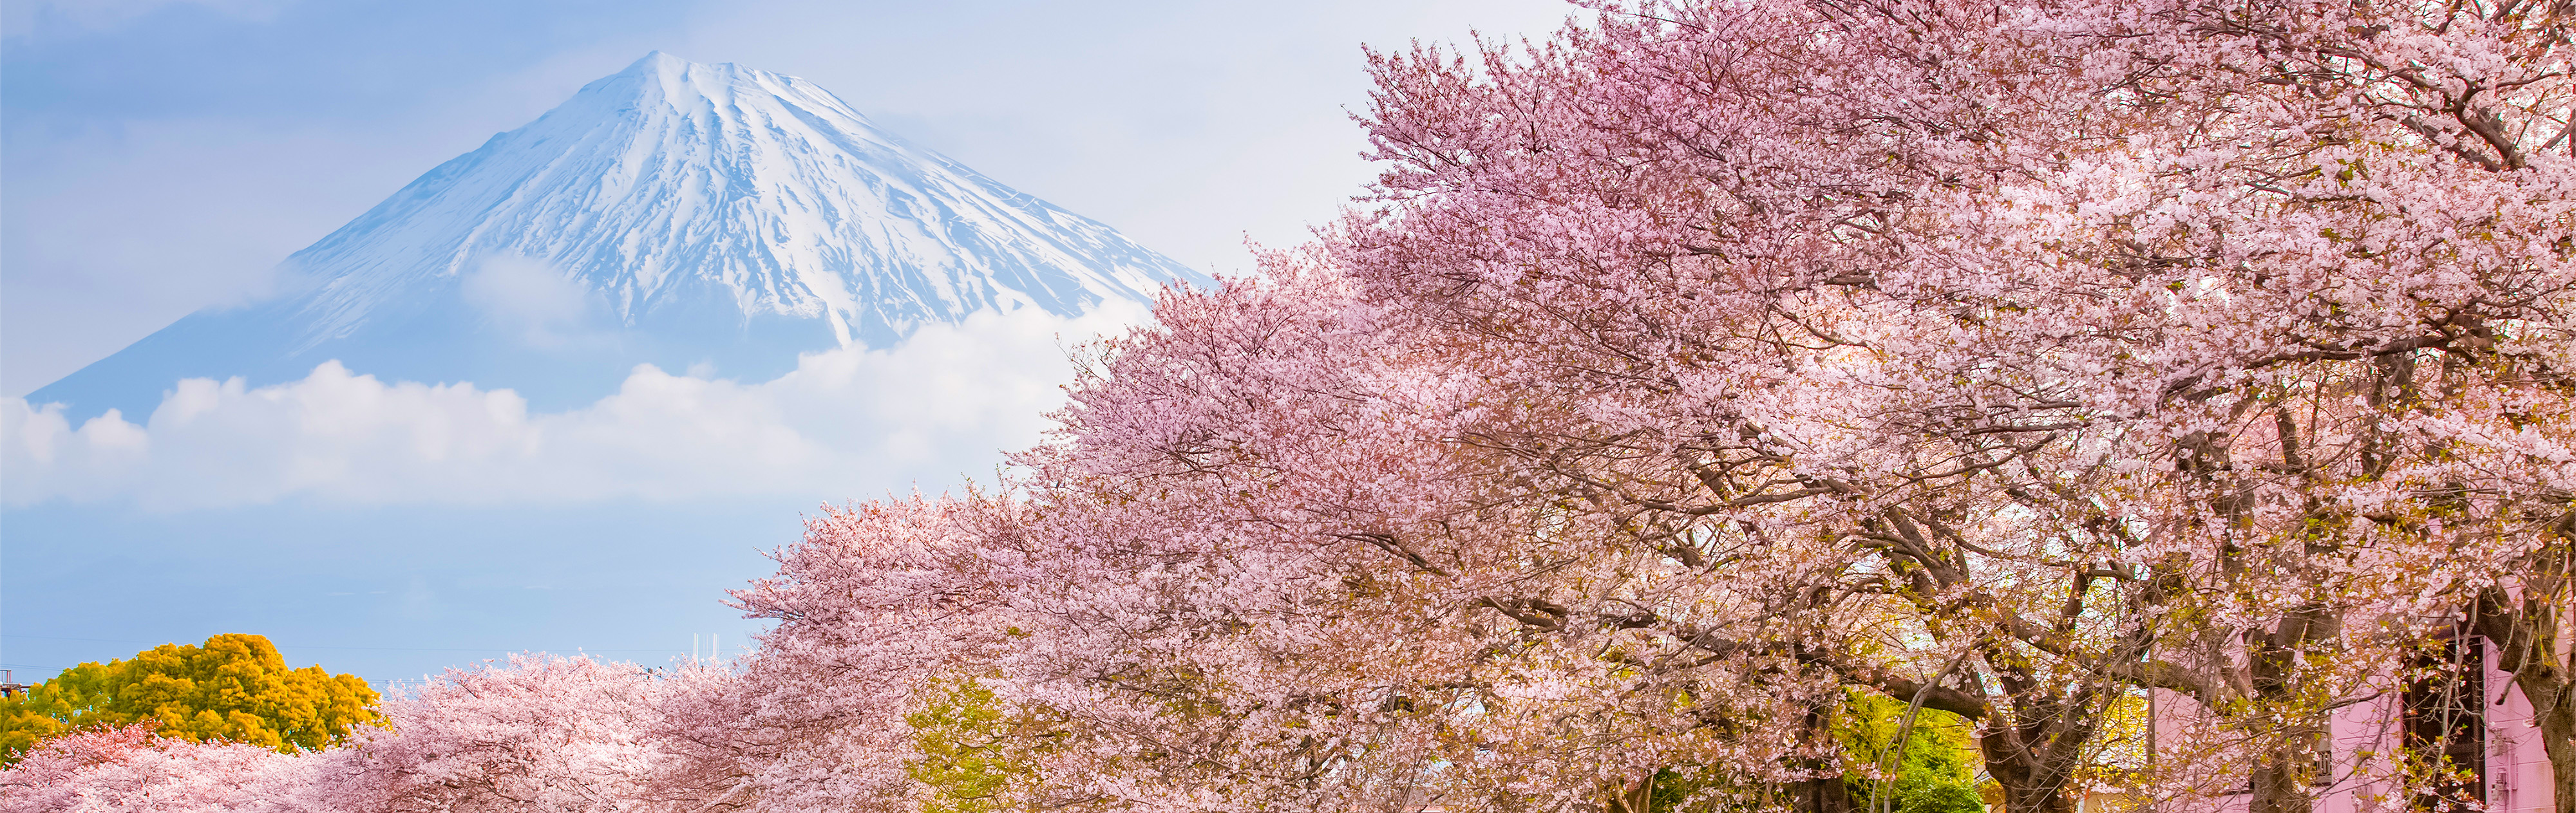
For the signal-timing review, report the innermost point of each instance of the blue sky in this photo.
(161, 156)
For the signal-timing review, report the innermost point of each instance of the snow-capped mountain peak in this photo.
(673, 212)
(672, 173)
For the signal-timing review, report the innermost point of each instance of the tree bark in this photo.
(2024, 792)
(2286, 771)
(1639, 798)
(2558, 738)
(2284, 779)
(1823, 794)
(1823, 791)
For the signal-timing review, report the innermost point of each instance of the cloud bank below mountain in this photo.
(845, 423)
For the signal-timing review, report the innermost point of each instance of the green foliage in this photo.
(960, 734)
(1685, 791)
(22, 727)
(1935, 773)
(1937, 769)
(234, 688)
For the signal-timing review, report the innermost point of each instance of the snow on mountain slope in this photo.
(708, 217)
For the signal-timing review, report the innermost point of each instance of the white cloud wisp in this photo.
(845, 423)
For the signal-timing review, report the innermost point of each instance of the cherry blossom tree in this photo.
(128, 768)
(536, 733)
(2123, 237)
(2030, 356)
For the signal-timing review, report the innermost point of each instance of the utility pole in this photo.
(9, 685)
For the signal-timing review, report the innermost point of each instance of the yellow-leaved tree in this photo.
(234, 688)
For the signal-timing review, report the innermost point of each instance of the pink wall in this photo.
(2517, 771)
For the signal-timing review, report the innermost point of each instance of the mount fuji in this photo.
(711, 218)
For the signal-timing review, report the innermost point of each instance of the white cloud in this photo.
(543, 306)
(845, 423)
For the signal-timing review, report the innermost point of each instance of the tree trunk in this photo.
(1639, 798)
(1824, 791)
(1824, 794)
(2283, 779)
(2286, 771)
(2023, 792)
(2558, 738)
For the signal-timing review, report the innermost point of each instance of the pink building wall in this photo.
(2517, 771)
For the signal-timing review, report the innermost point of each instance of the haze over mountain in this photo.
(711, 218)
